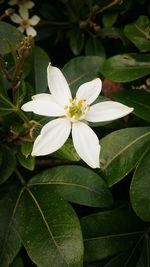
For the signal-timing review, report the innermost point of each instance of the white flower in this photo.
(23, 4)
(74, 115)
(25, 22)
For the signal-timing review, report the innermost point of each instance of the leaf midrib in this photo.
(64, 183)
(46, 223)
(113, 235)
(125, 148)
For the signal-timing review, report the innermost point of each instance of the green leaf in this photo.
(49, 229)
(26, 162)
(109, 18)
(81, 69)
(111, 232)
(8, 163)
(26, 148)
(144, 259)
(139, 100)
(119, 260)
(67, 151)
(76, 184)
(18, 262)
(76, 41)
(10, 36)
(38, 74)
(139, 191)
(113, 33)
(121, 150)
(94, 47)
(6, 106)
(10, 242)
(2, 86)
(138, 33)
(126, 67)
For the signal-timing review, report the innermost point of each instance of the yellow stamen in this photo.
(77, 109)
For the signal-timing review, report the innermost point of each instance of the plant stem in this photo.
(16, 109)
(20, 177)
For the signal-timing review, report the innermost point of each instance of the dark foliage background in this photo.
(55, 210)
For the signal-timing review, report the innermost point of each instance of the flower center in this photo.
(77, 109)
(25, 23)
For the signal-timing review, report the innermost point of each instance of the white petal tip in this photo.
(23, 107)
(96, 166)
(131, 109)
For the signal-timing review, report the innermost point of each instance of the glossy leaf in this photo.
(138, 33)
(67, 151)
(94, 47)
(49, 229)
(139, 100)
(121, 150)
(76, 184)
(110, 232)
(126, 67)
(140, 185)
(125, 259)
(18, 262)
(10, 36)
(109, 19)
(144, 259)
(81, 69)
(26, 162)
(8, 163)
(38, 75)
(2, 86)
(10, 242)
(6, 106)
(26, 148)
(76, 40)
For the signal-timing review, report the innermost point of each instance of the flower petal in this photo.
(58, 86)
(12, 2)
(31, 31)
(53, 136)
(107, 111)
(16, 18)
(24, 13)
(89, 90)
(20, 28)
(86, 144)
(43, 104)
(27, 4)
(34, 20)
